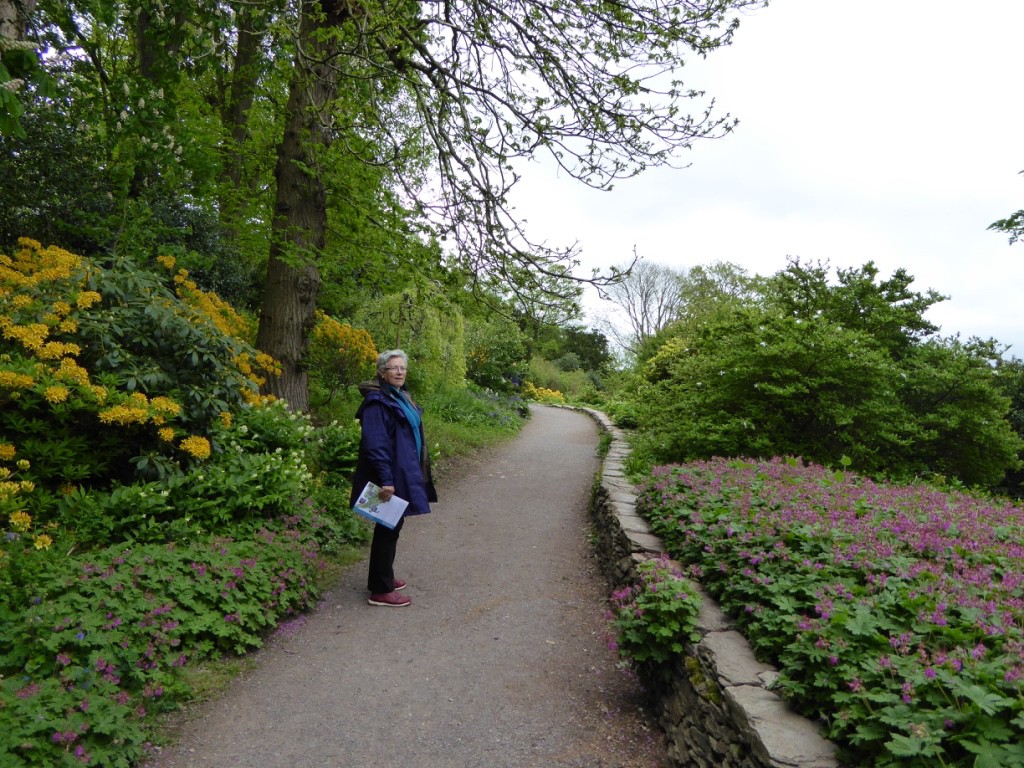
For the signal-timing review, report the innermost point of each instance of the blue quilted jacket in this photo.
(387, 451)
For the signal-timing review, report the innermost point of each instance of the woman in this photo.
(392, 454)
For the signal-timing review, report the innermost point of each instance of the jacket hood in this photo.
(376, 385)
(371, 385)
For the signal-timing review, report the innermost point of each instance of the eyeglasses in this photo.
(396, 368)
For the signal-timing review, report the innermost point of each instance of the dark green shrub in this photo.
(758, 383)
(496, 356)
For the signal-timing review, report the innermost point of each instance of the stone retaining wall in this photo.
(715, 706)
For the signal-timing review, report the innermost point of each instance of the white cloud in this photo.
(877, 131)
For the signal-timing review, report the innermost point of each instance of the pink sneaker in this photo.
(398, 584)
(390, 599)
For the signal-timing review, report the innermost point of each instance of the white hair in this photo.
(385, 357)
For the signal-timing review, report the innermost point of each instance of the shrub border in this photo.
(714, 703)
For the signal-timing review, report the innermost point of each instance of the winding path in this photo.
(500, 661)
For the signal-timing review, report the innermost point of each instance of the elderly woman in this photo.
(392, 454)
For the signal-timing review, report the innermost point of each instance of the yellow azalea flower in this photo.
(42, 541)
(12, 380)
(199, 447)
(121, 414)
(23, 464)
(252, 398)
(21, 301)
(166, 434)
(68, 326)
(70, 370)
(4, 473)
(166, 261)
(54, 350)
(225, 418)
(165, 405)
(21, 521)
(7, 451)
(31, 336)
(28, 486)
(56, 394)
(67, 489)
(268, 363)
(61, 308)
(87, 298)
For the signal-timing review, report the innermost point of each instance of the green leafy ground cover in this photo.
(895, 612)
(655, 618)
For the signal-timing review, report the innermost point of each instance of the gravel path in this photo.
(500, 661)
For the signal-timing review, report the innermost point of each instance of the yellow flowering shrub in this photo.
(87, 298)
(12, 380)
(219, 312)
(542, 394)
(165, 406)
(20, 522)
(227, 320)
(13, 493)
(37, 353)
(198, 447)
(99, 384)
(56, 394)
(340, 355)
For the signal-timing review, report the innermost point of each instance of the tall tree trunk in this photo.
(14, 18)
(300, 209)
(235, 114)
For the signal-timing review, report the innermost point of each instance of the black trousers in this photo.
(381, 578)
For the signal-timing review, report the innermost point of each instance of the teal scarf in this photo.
(410, 413)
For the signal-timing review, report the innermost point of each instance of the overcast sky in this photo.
(883, 130)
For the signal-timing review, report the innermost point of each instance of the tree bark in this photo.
(236, 99)
(300, 208)
(14, 18)
(235, 114)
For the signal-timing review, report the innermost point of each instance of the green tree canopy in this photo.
(820, 370)
(363, 140)
(1012, 225)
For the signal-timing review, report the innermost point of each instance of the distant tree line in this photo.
(836, 371)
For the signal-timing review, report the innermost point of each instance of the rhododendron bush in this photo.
(155, 509)
(895, 612)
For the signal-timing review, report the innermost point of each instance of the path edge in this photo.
(715, 705)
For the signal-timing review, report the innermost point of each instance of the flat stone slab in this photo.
(711, 617)
(785, 737)
(730, 653)
(622, 497)
(645, 542)
(633, 524)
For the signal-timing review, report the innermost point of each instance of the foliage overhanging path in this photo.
(501, 660)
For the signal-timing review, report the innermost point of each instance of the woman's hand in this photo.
(386, 492)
